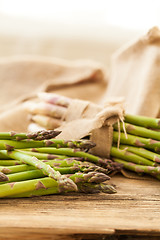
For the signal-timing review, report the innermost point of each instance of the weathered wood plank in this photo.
(135, 209)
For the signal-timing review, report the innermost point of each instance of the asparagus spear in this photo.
(95, 188)
(139, 131)
(43, 156)
(107, 163)
(11, 144)
(28, 172)
(9, 162)
(65, 166)
(139, 168)
(9, 189)
(39, 135)
(14, 188)
(3, 177)
(82, 144)
(91, 177)
(46, 169)
(82, 187)
(142, 152)
(32, 173)
(143, 121)
(3, 157)
(69, 162)
(66, 160)
(24, 168)
(36, 193)
(130, 157)
(137, 141)
(43, 134)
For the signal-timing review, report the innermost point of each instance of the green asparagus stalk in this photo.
(40, 135)
(9, 162)
(142, 152)
(33, 174)
(11, 144)
(26, 168)
(14, 188)
(70, 160)
(139, 168)
(65, 166)
(3, 177)
(60, 143)
(139, 131)
(34, 162)
(96, 188)
(130, 157)
(43, 156)
(9, 189)
(65, 163)
(15, 169)
(82, 187)
(91, 177)
(77, 153)
(137, 141)
(30, 172)
(143, 121)
(43, 134)
(36, 193)
(26, 175)
(46, 156)
(46, 169)
(3, 157)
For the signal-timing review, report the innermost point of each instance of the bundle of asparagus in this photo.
(38, 164)
(139, 146)
(139, 149)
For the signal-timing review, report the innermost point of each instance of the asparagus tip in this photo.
(43, 134)
(108, 188)
(98, 177)
(3, 177)
(66, 185)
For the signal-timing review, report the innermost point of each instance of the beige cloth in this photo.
(84, 118)
(135, 75)
(22, 77)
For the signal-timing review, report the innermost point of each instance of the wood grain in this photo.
(135, 209)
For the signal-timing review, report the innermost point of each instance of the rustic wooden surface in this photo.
(134, 210)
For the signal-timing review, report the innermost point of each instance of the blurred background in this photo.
(72, 29)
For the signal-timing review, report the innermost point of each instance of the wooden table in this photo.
(134, 210)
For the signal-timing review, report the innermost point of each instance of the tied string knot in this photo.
(119, 130)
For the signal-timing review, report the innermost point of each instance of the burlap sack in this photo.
(135, 75)
(84, 118)
(22, 78)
